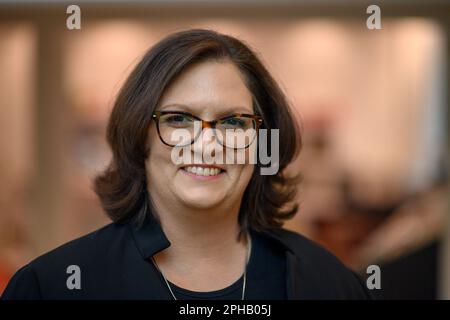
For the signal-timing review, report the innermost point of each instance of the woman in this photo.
(184, 230)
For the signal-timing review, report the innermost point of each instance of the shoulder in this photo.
(90, 248)
(318, 273)
(305, 248)
(23, 285)
(48, 272)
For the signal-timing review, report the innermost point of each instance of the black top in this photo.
(232, 292)
(265, 277)
(114, 262)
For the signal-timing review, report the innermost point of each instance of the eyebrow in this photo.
(185, 107)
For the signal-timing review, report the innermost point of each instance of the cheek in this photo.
(243, 175)
(159, 160)
(248, 171)
(243, 180)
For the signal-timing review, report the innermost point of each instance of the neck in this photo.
(205, 252)
(199, 233)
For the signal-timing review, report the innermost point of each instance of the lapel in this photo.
(293, 281)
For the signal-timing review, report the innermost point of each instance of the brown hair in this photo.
(122, 188)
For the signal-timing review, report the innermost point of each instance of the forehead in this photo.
(208, 88)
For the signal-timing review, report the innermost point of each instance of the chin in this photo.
(201, 200)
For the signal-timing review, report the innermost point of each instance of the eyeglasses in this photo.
(236, 131)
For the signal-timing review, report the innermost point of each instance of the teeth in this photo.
(203, 171)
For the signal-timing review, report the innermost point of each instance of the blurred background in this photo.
(373, 105)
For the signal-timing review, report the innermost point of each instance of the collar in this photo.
(277, 237)
(150, 237)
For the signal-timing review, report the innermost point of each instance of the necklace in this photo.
(249, 249)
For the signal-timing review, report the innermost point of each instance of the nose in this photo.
(206, 147)
(206, 137)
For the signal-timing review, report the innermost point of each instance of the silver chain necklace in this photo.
(249, 249)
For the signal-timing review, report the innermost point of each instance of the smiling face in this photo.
(209, 90)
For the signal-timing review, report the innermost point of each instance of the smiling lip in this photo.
(203, 171)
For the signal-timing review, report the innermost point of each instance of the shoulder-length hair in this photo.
(122, 187)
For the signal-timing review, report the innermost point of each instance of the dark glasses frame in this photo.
(205, 123)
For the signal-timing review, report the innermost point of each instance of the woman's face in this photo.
(208, 90)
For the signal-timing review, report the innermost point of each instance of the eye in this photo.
(177, 120)
(234, 123)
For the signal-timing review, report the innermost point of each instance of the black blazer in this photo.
(114, 263)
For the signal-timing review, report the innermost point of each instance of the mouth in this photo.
(203, 170)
